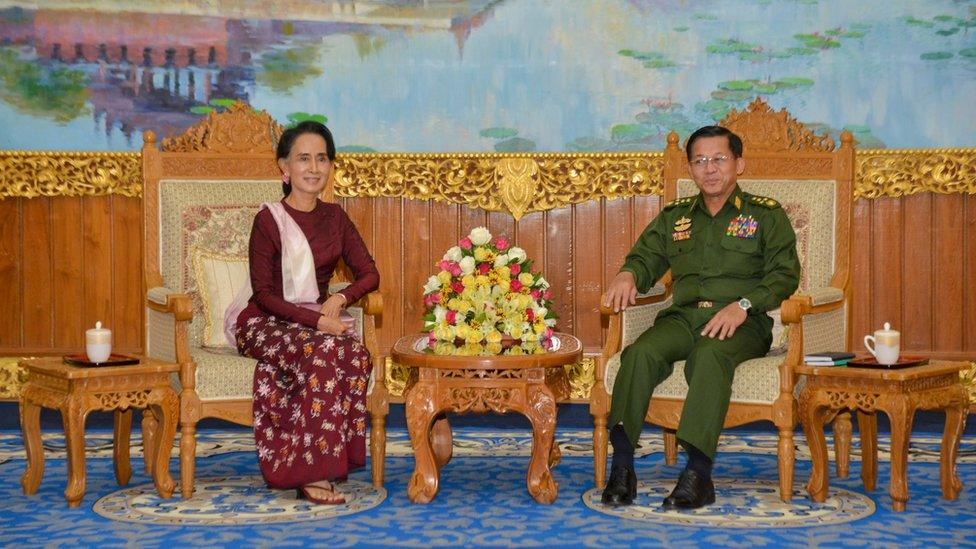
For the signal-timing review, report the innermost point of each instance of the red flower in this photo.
(515, 268)
(515, 285)
(484, 268)
(501, 243)
(465, 243)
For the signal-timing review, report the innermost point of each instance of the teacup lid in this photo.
(887, 329)
(98, 333)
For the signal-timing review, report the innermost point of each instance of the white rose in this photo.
(453, 254)
(440, 314)
(543, 283)
(501, 260)
(433, 284)
(479, 236)
(467, 265)
(516, 253)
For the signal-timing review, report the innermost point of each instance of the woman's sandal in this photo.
(305, 493)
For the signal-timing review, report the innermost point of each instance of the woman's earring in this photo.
(285, 179)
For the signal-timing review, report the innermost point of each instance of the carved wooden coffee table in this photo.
(899, 393)
(528, 384)
(75, 391)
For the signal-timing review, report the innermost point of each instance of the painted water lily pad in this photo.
(936, 55)
(515, 144)
(498, 132)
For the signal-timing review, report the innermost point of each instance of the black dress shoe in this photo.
(691, 492)
(621, 488)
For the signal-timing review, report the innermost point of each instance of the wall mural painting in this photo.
(486, 75)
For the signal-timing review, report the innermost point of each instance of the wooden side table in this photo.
(75, 391)
(898, 393)
(528, 384)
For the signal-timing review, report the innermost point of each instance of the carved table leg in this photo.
(955, 423)
(442, 441)
(670, 447)
(122, 429)
(163, 442)
(842, 443)
(867, 426)
(149, 426)
(812, 412)
(73, 417)
(901, 415)
(541, 411)
(420, 411)
(30, 424)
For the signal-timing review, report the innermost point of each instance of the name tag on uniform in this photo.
(743, 226)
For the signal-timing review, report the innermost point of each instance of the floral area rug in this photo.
(482, 501)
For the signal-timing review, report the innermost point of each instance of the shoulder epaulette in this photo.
(679, 202)
(763, 201)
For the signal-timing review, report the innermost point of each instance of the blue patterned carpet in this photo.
(482, 502)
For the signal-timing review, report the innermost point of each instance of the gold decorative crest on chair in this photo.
(812, 181)
(202, 192)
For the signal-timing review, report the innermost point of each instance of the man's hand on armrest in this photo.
(621, 293)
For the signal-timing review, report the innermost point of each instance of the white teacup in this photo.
(885, 345)
(98, 343)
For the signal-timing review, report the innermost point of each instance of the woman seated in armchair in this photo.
(312, 374)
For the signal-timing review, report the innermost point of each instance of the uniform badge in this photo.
(743, 226)
(682, 229)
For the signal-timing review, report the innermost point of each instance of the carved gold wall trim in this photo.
(496, 182)
(12, 378)
(518, 184)
(30, 174)
(893, 173)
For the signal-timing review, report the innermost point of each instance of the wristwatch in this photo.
(745, 304)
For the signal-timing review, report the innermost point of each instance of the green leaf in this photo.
(515, 144)
(936, 56)
(222, 102)
(968, 52)
(735, 85)
(680, 29)
(201, 109)
(631, 132)
(794, 81)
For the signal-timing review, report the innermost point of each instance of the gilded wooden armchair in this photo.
(202, 190)
(812, 180)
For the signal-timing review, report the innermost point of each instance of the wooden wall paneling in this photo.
(444, 232)
(11, 273)
(917, 273)
(946, 302)
(126, 261)
(588, 254)
(388, 251)
(69, 301)
(99, 281)
(470, 218)
(969, 280)
(417, 261)
(37, 275)
(886, 246)
(502, 224)
(862, 281)
(558, 266)
(531, 231)
(618, 236)
(646, 209)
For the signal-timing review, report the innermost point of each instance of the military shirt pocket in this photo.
(680, 256)
(742, 256)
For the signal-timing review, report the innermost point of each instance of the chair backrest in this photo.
(202, 191)
(805, 172)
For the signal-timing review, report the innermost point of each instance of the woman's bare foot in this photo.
(322, 492)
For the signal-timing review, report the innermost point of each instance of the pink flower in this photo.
(432, 299)
(457, 286)
(444, 265)
(515, 285)
(515, 268)
(529, 315)
(454, 269)
(451, 317)
(547, 334)
(484, 268)
(465, 243)
(501, 243)
(547, 294)
(431, 338)
(536, 294)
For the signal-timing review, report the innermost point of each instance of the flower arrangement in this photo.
(487, 294)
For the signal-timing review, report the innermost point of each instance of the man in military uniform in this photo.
(732, 256)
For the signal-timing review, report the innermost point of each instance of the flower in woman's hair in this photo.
(501, 243)
(465, 243)
(480, 236)
(453, 254)
(467, 265)
(518, 254)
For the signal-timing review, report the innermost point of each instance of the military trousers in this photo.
(709, 369)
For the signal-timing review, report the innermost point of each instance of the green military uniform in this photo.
(748, 249)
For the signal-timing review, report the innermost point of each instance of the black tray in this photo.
(113, 360)
(904, 361)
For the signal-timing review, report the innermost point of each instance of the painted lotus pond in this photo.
(487, 75)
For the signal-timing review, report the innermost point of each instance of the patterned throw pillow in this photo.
(219, 278)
